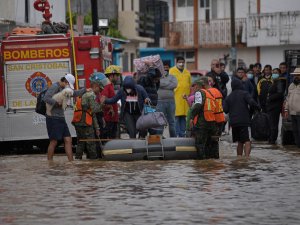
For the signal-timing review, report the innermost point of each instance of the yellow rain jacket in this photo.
(183, 88)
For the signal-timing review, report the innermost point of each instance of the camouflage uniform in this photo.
(203, 131)
(84, 131)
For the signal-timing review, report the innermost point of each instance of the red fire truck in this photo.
(31, 63)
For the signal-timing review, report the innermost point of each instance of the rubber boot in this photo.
(200, 151)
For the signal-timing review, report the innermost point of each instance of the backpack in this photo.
(260, 127)
(40, 107)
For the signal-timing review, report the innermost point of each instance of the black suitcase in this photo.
(260, 127)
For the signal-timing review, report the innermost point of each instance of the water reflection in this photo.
(261, 190)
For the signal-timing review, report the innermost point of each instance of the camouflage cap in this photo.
(99, 78)
(202, 81)
(198, 82)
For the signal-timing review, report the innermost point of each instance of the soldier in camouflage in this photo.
(85, 120)
(202, 121)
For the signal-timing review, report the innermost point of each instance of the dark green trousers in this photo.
(88, 146)
(207, 147)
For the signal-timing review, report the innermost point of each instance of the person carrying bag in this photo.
(150, 119)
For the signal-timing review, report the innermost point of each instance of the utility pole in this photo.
(94, 10)
(258, 13)
(26, 11)
(196, 32)
(232, 26)
(249, 7)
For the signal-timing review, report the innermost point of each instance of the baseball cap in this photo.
(71, 79)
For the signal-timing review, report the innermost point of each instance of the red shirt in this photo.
(109, 92)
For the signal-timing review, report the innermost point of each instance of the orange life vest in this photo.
(209, 108)
(220, 118)
(78, 114)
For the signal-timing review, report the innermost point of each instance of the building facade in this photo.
(266, 31)
(24, 14)
(130, 17)
(15, 13)
(107, 9)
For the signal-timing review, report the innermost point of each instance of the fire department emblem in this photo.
(37, 82)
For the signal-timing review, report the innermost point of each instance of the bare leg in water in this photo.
(68, 148)
(247, 148)
(239, 149)
(51, 149)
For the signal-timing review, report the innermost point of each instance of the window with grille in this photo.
(204, 3)
(185, 3)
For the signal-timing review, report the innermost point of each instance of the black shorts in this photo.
(57, 128)
(240, 134)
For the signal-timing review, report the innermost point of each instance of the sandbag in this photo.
(143, 64)
(260, 127)
(151, 120)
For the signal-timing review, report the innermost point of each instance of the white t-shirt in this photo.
(198, 98)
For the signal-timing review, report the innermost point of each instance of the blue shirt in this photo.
(288, 77)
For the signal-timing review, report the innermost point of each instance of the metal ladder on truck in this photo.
(155, 141)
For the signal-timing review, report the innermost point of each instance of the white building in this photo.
(23, 12)
(128, 17)
(266, 31)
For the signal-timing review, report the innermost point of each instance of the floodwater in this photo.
(264, 189)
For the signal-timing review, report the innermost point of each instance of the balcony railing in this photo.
(6, 26)
(214, 34)
(218, 32)
(273, 28)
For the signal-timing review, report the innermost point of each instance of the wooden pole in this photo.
(174, 11)
(107, 139)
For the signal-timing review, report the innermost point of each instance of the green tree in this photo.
(113, 29)
(74, 17)
(88, 19)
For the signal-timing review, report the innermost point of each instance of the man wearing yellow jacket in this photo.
(184, 79)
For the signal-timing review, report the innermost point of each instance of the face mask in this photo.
(210, 83)
(166, 72)
(180, 65)
(268, 76)
(296, 81)
(250, 75)
(275, 75)
(128, 91)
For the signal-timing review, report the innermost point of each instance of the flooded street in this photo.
(261, 190)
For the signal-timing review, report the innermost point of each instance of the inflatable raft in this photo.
(151, 148)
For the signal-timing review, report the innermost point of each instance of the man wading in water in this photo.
(236, 104)
(202, 120)
(57, 127)
(85, 120)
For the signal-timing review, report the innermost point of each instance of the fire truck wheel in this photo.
(42, 146)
